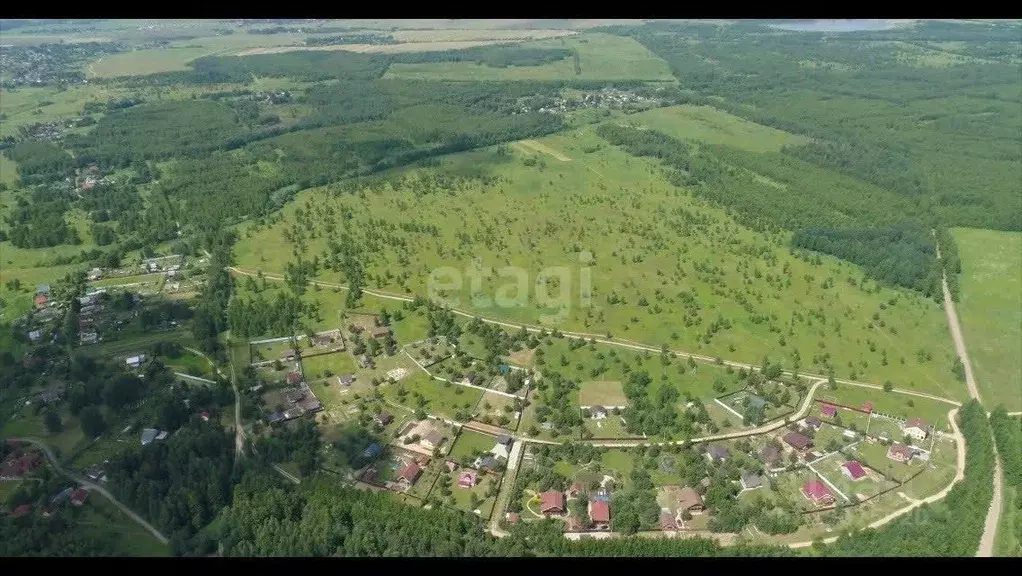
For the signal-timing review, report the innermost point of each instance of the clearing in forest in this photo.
(535, 146)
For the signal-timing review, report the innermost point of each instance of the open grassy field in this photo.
(101, 514)
(469, 442)
(602, 393)
(713, 126)
(660, 254)
(601, 57)
(337, 364)
(991, 312)
(8, 171)
(439, 398)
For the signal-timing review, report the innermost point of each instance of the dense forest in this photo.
(946, 133)
(494, 56)
(1008, 435)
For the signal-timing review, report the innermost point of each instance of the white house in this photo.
(135, 361)
(499, 451)
(916, 428)
(35, 335)
(598, 412)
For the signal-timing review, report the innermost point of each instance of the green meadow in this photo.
(991, 312)
(666, 266)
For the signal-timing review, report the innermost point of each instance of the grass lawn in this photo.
(1007, 545)
(427, 480)
(602, 393)
(601, 57)
(609, 427)
(469, 442)
(25, 423)
(190, 363)
(830, 467)
(271, 351)
(891, 403)
(337, 363)
(8, 171)
(938, 473)
(497, 408)
(618, 463)
(713, 126)
(441, 398)
(7, 488)
(991, 312)
(133, 540)
(462, 496)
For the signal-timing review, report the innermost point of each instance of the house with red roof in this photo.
(293, 378)
(551, 502)
(817, 492)
(667, 522)
(512, 518)
(853, 470)
(828, 410)
(916, 428)
(15, 468)
(599, 513)
(409, 474)
(79, 496)
(899, 452)
(867, 407)
(204, 416)
(41, 301)
(467, 478)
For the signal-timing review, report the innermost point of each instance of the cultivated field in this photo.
(991, 312)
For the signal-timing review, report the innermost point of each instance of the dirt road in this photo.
(93, 487)
(986, 542)
(239, 431)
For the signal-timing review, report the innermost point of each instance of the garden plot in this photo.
(328, 366)
(831, 468)
(497, 409)
(608, 394)
(470, 445)
(431, 351)
(478, 498)
(263, 352)
(613, 426)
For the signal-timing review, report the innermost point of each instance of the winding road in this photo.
(93, 487)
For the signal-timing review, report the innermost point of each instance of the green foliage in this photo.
(39, 161)
(494, 56)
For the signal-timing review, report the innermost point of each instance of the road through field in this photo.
(94, 487)
(986, 542)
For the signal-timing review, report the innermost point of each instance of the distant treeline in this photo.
(494, 56)
(903, 256)
(353, 38)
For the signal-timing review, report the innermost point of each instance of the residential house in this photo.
(512, 518)
(383, 418)
(849, 434)
(599, 513)
(293, 378)
(551, 502)
(149, 435)
(817, 492)
(380, 331)
(432, 440)
(867, 407)
(51, 396)
(499, 451)
(43, 289)
(717, 453)
(15, 468)
(61, 498)
(813, 422)
(451, 465)
(798, 441)
(88, 338)
(409, 474)
(293, 412)
(916, 428)
(751, 481)
(35, 335)
(853, 470)
(505, 440)
(275, 417)
(598, 412)
(467, 478)
(372, 451)
(41, 301)
(486, 463)
(828, 410)
(95, 274)
(79, 496)
(689, 499)
(135, 361)
(204, 416)
(294, 395)
(900, 452)
(346, 380)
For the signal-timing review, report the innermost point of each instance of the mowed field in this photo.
(713, 126)
(991, 312)
(601, 57)
(665, 265)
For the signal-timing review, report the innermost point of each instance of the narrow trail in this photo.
(986, 542)
(93, 487)
(239, 431)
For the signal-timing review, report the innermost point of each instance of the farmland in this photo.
(991, 312)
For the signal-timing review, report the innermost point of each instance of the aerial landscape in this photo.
(511, 288)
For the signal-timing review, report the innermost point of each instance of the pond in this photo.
(835, 25)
